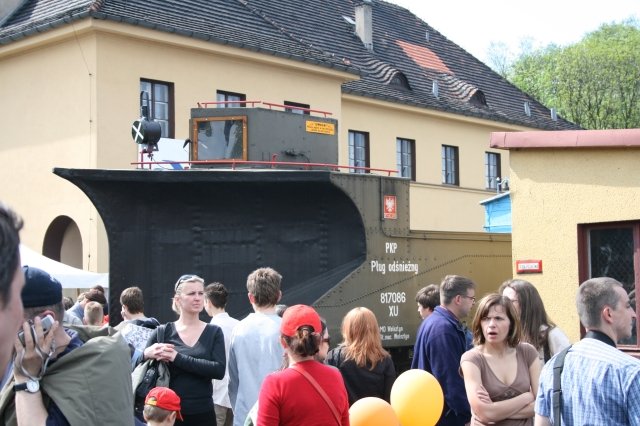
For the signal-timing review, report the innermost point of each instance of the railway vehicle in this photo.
(262, 187)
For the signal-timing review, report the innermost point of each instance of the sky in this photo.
(474, 24)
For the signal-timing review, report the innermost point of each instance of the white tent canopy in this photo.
(68, 276)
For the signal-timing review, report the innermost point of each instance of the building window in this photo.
(358, 151)
(491, 170)
(450, 173)
(296, 108)
(161, 107)
(231, 99)
(400, 80)
(406, 158)
(613, 250)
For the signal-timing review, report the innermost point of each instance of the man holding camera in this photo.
(53, 360)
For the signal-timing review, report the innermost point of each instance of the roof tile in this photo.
(317, 33)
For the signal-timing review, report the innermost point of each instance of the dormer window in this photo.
(478, 98)
(400, 80)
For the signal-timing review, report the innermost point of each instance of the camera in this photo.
(47, 322)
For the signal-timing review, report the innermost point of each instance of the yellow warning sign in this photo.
(320, 127)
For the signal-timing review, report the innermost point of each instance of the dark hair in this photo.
(454, 285)
(532, 313)
(428, 297)
(67, 302)
(306, 342)
(132, 298)
(98, 287)
(96, 296)
(593, 295)
(217, 294)
(485, 304)
(280, 308)
(264, 285)
(10, 226)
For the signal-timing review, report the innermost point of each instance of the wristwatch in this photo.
(31, 386)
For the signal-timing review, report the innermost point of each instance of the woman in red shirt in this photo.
(307, 392)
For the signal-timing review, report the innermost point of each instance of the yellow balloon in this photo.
(417, 398)
(372, 411)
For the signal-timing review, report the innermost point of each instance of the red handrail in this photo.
(205, 104)
(233, 163)
(253, 103)
(270, 104)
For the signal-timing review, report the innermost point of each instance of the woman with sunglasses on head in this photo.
(307, 392)
(194, 352)
(537, 329)
(500, 373)
(367, 369)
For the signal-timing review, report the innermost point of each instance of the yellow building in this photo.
(405, 97)
(575, 198)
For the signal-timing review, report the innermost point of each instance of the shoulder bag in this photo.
(148, 375)
(321, 391)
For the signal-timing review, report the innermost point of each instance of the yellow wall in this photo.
(552, 191)
(46, 120)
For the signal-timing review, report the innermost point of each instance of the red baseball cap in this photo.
(297, 316)
(164, 398)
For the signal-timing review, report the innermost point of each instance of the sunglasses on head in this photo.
(187, 277)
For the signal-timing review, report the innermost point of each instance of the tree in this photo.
(594, 83)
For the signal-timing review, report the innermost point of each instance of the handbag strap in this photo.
(161, 332)
(321, 391)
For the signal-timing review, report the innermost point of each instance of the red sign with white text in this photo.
(528, 266)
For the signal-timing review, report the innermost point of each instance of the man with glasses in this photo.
(599, 384)
(440, 343)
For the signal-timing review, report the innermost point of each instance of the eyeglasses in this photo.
(185, 278)
(472, 298)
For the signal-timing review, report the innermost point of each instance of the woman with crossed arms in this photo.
(500, 373)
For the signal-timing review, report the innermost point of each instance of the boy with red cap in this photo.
(161, 407)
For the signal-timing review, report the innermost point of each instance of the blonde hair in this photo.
(175, 307)
(362, 341)
(93, 313)
(156, 414)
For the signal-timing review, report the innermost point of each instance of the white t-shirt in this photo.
(221, 387)
(557, 341)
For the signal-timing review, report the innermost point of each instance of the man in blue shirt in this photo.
(600, 384)
(440, 343)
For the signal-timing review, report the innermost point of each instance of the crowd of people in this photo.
(275, 367)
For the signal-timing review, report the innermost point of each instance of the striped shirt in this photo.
(600, 386)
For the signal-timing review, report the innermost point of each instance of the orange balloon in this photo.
(372, 411)
(417, 398)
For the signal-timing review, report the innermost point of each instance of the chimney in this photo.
(364, 23)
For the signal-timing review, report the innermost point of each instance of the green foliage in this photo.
(594, 83)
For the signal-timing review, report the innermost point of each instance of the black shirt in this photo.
(195, 366)
(362, 382)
